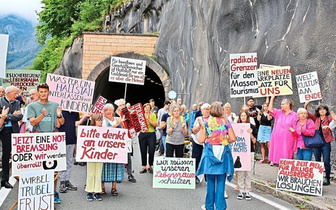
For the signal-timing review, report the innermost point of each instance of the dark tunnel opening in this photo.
(152, 89)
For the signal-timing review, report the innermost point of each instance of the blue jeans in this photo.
(215, 192)
(304, 154)
(163, 140)
(162, 146)
(325, 150)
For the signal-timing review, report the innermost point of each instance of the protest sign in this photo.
(25, 80)
(177, 173)
(300, 176)
(3, 54)
(275, 80)
(99, 105)
(70, 93)
(125, 70)
(137, 115)
(242, 146)
(308, 87)
(101, 144)
(38, 151)
(243, 75)
(36, 190)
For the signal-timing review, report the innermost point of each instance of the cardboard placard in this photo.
(25, 80)
(38, 151)
(101, 144)
(137, 115)
(71, 94)
(242, 146)
(243, 75)
(275, 80)
(36, 190)
(3, 54)
(176, 173)
(308, 87)
(125, 70)
(300, 176)
(99, 105)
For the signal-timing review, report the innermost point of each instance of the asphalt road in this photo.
(141, 195)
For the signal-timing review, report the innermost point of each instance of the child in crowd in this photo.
(244, 177)
(94, 170)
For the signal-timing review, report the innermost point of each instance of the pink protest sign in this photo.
(99, 105)
(242, 147)
(101, 144)
(70, 93)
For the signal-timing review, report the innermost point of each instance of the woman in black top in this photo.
(265, 130)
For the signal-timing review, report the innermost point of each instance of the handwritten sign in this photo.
(70, 93)
(243, 75)
(300, 176)
(101, 144)
(137, 115)
(177, 173)
(3, 54)
(25, 80)
(38, 151)
(275, 80)
(99, 105)
(36, 190)
(308, 87)
(242, 146)
(125, 70)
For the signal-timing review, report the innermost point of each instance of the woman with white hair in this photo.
(112, 172)
(231, 117)
(305, 127)
(282, 140)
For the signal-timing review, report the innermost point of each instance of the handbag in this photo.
(237, 163)
(315, 141)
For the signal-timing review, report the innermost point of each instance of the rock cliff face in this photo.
(197, 37)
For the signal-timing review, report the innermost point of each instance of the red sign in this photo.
(99, 105)
(135, 120)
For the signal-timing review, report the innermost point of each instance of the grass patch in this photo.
(301, 206)
(307, 198)
(272, 185)
(260, 182)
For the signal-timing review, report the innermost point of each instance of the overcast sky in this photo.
(22, 8)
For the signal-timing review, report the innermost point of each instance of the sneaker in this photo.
(82, 163)
(69, 186)
(143, 171)
(57, 199)
(131, 178)
(271, 164)
(226, 196)
(240, 196)
(150, 170)
(75, 163)
(248, 196)
(89, 197)
(326, 181)
(261, 161)
(62, 188)
(98, 197)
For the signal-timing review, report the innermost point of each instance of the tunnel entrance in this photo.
(157, 83)
(153, 88)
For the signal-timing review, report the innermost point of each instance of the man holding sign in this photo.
(45, 116)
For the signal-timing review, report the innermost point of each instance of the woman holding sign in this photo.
(301, 127)
(112, 172)
(148, 139)
(244, 177)
(282, 140)
(323, 120)
(217, 161)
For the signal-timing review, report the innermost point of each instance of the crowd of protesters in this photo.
(281, 132)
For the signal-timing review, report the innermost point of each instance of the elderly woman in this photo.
(217, 161)
(282, 140)
(112, 172)
(176, 131)
(265, 130)
(148, 140)
(231, 117)
(322, 120)
(301, 127)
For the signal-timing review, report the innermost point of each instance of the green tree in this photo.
(56, 18)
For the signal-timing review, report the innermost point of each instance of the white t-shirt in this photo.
(196, 124)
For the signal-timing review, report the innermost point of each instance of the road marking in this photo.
(263, 199)
(4, 191)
